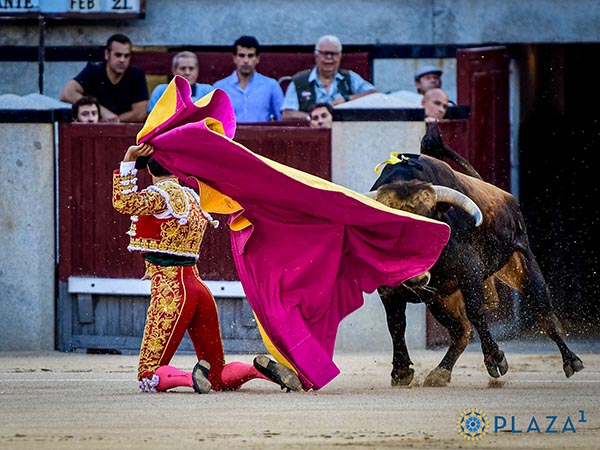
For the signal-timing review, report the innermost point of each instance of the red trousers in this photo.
(181, 302)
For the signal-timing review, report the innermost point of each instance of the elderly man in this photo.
(186, 65)
(120, 88)
(324, 83)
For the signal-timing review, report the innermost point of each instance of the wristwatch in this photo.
(346, 97)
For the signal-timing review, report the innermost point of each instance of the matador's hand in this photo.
(134, 151)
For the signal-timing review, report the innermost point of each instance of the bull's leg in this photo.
(538, 298)
(395, 309)
(493, 358)
(450, 313)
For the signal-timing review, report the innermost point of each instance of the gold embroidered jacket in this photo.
(165, 217)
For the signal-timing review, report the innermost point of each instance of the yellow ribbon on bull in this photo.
(393, 160)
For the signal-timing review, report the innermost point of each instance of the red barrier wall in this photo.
(92, 239)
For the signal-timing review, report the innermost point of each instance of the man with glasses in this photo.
(324, 83)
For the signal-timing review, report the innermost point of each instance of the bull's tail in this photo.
(433, 145)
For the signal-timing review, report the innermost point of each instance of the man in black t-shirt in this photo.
(120, 88)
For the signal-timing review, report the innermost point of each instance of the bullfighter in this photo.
(167, 227)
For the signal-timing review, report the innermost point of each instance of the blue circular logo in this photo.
(473, 424)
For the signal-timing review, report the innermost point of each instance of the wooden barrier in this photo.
(102, 302)
(92, 239)
(483, 85)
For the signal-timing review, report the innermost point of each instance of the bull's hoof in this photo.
(438, 377)
(402, 377)
(496, 366)
(572, 366)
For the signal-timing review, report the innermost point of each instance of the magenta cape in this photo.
(312, 247)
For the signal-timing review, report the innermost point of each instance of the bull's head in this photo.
(422, 198)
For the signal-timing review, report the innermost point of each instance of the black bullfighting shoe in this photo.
(278, 373)
(200, 377)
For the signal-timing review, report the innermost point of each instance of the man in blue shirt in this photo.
(325, 83)
(186, 65)
(255, 97)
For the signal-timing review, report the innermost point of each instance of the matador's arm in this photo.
(125, 197)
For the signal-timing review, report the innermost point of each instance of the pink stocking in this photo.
(235, 374)
(170, 377)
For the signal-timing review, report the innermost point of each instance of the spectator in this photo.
(186, 65)
(324, 83)
(435, 102)
(120, 88)
(86, 110)
(321, 116)
(255, 97)
(428, 77)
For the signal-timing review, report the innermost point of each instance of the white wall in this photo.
(274, 22)
(356, 22)
(357, 147)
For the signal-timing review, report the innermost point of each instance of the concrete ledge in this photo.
(133, 286)
(394, 115)
(35, 116)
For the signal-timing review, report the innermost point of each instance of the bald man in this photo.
(435, 102)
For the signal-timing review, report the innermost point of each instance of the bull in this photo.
(488, 241)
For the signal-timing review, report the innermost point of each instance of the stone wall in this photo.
(27, 240)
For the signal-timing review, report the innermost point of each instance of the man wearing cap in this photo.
(428, 77)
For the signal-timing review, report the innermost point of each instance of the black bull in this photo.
(462, 280)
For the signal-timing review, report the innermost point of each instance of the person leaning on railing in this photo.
(120, 87)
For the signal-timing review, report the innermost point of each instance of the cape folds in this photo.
(305, 248)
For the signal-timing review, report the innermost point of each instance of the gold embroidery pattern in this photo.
(162, 316)
(178, 200)
(175, 237)
(128, 201)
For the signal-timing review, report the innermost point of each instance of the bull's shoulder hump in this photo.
(474, 188)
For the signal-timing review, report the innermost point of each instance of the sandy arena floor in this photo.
(70, 401)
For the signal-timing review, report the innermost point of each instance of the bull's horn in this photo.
(452, 196)
(371, 194)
